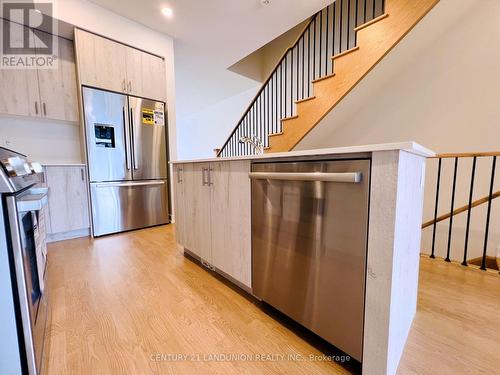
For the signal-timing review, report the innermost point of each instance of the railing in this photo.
(328, 33)
(489, 161)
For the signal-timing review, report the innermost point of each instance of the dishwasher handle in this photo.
(129, 184)
(353, 177)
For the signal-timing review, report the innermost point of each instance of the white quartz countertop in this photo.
(411, 147)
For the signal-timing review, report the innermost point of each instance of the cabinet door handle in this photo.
(83, 176)
(44, 109)
(210, 181)
(179, 175)
(36, 108)
(204, 176)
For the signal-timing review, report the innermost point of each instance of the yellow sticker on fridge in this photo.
(148, 116)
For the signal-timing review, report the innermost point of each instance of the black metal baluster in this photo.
(281, 92)
(364, 11)
(326, 39)
(320, 39)
(309, 61)
(285, 101)
(268, 125)
(451, 210)
(254, 130)
(348, 24)
(240, 146)
(373, 10)
(334, 22)
(261, 118)
(276, 101)
(314, 49)
(488, 213)
(291, 83)
(271, 112)
(436, 206)
(298, 71)
(341, 25)
(356, 15)
(303, 66)
(469, 209)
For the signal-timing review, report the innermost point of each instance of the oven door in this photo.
(29, 279)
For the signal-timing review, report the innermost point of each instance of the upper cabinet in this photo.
(58, 93)
(101, 62)
(109, 65)
(46, 93)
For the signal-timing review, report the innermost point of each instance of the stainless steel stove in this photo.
(23, 307)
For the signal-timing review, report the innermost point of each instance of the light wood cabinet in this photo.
(154, 84)
(231, 219)
(101, 62)
(212, 210)
(110, 65)
(46, 93)
(68, 203)
(19, 94)
(134, 71)
(58, 93)
(180, 203)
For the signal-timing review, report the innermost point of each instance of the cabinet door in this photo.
(19, 92)
(197, 209)
(154, 80)
(58, 93)
(134, 72)
(230, 214)
(101, 62)
(179, 204)
(68, 204)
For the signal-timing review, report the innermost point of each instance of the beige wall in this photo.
(440, 87)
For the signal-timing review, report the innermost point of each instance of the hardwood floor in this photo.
(120, 303)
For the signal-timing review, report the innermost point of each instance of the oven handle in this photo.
(352, 177)
(129, 184)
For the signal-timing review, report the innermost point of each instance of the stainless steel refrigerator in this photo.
(126, 142)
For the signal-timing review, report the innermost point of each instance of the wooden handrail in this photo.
(461, 209)
(465, 155)
(269, 78)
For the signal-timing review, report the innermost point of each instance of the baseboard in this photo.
(55, 237)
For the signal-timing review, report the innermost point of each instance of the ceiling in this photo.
(230, 29)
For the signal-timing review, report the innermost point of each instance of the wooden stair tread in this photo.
(305, 99)
(275, 134)
(323, 78)
(290, 118)
(353, 49)
(375, 20)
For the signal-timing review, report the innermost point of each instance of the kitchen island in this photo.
(214, 212)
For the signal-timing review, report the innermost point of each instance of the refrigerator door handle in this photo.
(127, 161)
(134, 156)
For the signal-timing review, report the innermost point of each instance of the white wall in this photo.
(42, 140)
(89, 16)
(439, 87)
(206, 130)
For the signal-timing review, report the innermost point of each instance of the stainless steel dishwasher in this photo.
(309, 243)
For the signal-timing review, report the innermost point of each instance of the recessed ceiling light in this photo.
(167, 12)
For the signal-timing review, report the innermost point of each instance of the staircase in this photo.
(338, 47)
